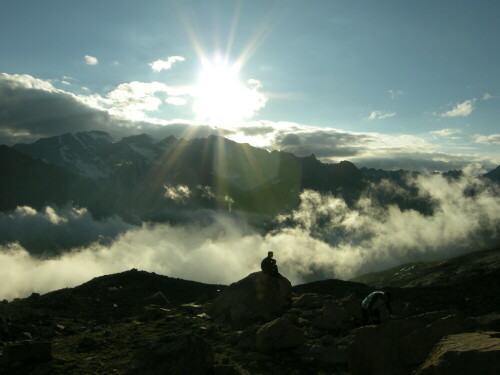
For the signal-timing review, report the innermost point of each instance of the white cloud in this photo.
(130, 100)
(378, 115)
(160, 65)
(341, 242)
(487, 139)
(91, 60)
(175, 100)
(177, 193)
(461, 109)
(396, 93)
(125, 110)
(446, 132)
(66, 83)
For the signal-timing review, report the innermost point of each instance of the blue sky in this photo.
(392, 84)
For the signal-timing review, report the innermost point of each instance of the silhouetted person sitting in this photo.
(371, 306)
(269, 266)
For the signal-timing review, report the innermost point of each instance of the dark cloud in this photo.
(27, 114)
(324, 144)
(55, 230)
(29, 111)
(256, 130)
(420, 162)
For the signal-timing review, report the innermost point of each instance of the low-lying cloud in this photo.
(55, 230)
(322, 238)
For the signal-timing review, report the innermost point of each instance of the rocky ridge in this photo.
(136, 322)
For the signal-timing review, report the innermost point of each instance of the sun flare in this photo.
(222, 98)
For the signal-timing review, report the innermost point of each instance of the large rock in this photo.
(175, 354)
(398, 346)
(257, 296)
(464, 354)
(279, 334)
(332, 317)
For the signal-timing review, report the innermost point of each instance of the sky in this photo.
(387, 84)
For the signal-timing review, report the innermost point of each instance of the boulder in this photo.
(464, 354)
(308, 300)
(175, 354)
(279, 334)
(398, 346)
(27, 352)
(352, 304)
(332, 317)
(257, 296)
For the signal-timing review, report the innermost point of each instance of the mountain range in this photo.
(139, 176)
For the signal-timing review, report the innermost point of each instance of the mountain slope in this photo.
(139, 169)
(437, 273)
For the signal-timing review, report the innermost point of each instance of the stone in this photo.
(27, 352)
(258, 296)
(153, 313)
(352, 305)
(332, 317)
(175, 354)
(488, 322)
(397, 346)
(464, 354)
(307, 300)
(279, 334)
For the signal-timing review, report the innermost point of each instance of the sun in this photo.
(220, 97)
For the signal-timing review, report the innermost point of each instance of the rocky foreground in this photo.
(142, 323)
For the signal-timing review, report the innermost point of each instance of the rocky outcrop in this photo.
(175, 354)
(279, 334)
(398, 346)
(257, 296)
(464, 354)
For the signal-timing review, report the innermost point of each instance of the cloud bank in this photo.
(322, 238)
(125, 110)
(55, 230)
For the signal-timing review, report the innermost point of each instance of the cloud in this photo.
(378, 115)
(54, 230)
(446, 132)
(322, 143)
(322, 238)
(396, 93)
(372, 150)
(91, 60)
(175, 100)
(492, 139)
(160, 65)
(461, 109)
(178, 193)
(420, 161)
(32, 108)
